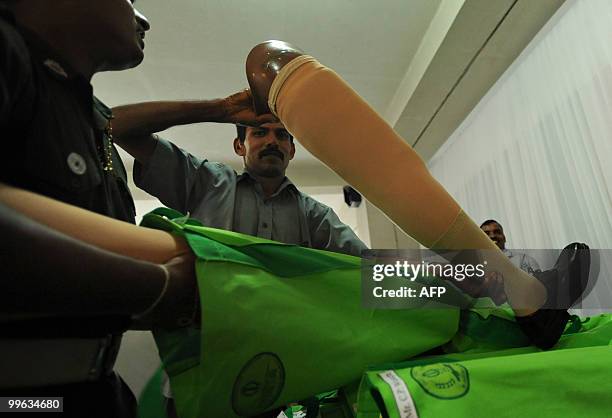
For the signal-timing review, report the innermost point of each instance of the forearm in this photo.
(134, 125)
(45, 272)
(103, 232)
(143, 119)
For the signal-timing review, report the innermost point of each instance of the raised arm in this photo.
(135, 124)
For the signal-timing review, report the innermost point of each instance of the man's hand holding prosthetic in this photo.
(239, 110)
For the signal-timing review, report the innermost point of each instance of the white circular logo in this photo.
(76, 163)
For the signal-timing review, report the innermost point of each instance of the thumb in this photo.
(266, 118)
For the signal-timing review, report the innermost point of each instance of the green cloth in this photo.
(150, 402)
(280, 323)
(570, 380)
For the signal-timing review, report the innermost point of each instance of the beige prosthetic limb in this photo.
(101, 231)
(340, 129)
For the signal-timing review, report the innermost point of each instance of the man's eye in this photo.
(259, 133)
(283, 135)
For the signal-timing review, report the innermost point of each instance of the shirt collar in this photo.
(55, 65)
(286, 184)
(101, 114)
(50, 58)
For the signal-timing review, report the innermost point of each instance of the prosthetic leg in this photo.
(340, 129)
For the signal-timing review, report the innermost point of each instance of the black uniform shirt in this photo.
(54, 132)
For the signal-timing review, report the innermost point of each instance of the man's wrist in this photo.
(215, 110)
(142, 316)
(180, 305)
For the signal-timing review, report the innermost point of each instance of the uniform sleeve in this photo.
(329, 233)
(173, 175)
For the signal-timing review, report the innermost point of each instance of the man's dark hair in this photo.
(241, 133)
(491, 221)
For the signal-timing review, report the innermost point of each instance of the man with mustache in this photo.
(261, 201)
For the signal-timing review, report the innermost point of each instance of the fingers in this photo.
(255, 121)
(267, 118)
(494, 288)
(179, 304)
(491, 285)
(240, 111)
(243, 98)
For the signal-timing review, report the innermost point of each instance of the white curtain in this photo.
(536, 153)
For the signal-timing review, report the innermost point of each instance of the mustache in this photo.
(272, 151)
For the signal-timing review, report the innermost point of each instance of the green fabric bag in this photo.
(150, 401)
(571, 380)
(280, 323)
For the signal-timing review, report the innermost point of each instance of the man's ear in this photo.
(239, 147)
(292, 151)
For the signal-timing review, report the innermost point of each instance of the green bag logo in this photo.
(443, 381)
(258, 384)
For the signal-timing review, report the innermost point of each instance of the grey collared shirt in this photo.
(523, 261)
(217, 196)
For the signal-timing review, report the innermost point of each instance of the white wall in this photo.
(536, 153)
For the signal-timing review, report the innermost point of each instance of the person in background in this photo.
(495, 231)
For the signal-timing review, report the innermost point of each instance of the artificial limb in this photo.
(343, 131)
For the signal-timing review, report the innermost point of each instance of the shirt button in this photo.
(76, 163)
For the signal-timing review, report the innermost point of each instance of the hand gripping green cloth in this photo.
(572, 380)
(279, 323)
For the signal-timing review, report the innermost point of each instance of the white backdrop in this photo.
(536, 153)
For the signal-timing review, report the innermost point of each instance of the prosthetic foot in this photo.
(262, 65)
(566, 283)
